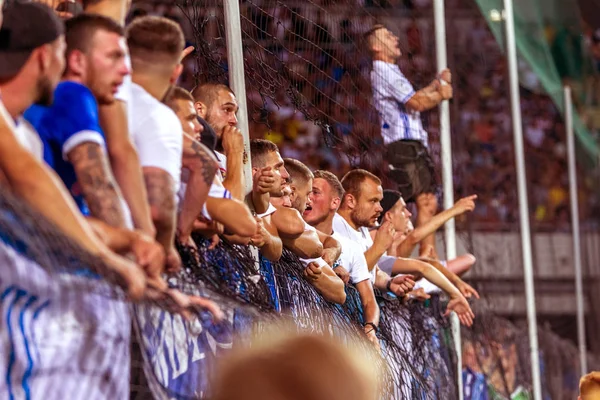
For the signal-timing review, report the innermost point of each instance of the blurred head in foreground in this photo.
(297, 367)
(589, 386)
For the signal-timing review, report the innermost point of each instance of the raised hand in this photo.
(385, 235)
(233, 141)
(466, 204)
(264, 180)
(461, 307)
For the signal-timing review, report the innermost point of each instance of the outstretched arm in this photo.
(457, 303)
(406, 247)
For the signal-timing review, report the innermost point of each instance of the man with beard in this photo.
(327, 193)
(359, 211)
(233, 214)
(74, 144)
(318, 271)
(217, 105)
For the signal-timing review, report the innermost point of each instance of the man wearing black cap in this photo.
(31, 63)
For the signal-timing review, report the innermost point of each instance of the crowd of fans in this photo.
(98, 138)
(339, 88)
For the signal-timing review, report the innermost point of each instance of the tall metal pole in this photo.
(447, 175)
(575, 226)
(523, 202)
(235, 62)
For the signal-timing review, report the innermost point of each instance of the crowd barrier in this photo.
(174, 359)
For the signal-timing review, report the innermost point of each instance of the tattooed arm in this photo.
(97, 183)
(161, 197)
(203, 167)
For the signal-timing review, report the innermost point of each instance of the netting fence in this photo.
(177, 357)
(309, 92)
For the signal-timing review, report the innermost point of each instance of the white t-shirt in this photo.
(391, 91)
(24, 132)
(222, 161)
(270, 210)
(363, 238)
(353, 260)
(29, 138)
(157, 133)
(124, 94)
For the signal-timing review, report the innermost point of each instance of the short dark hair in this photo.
(154, 39)
(299, 172)
(368, 35)
(352, 181)
(259, 148)
(390, 198)
(207, 92)
(332, 180)
(177, 93)
(80, 30)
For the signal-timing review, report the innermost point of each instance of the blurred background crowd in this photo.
(336, 82)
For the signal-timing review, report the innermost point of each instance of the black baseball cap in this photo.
(27, 26)
(390, 198)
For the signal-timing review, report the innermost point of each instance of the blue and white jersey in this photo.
(391, 91)
(70, 121)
